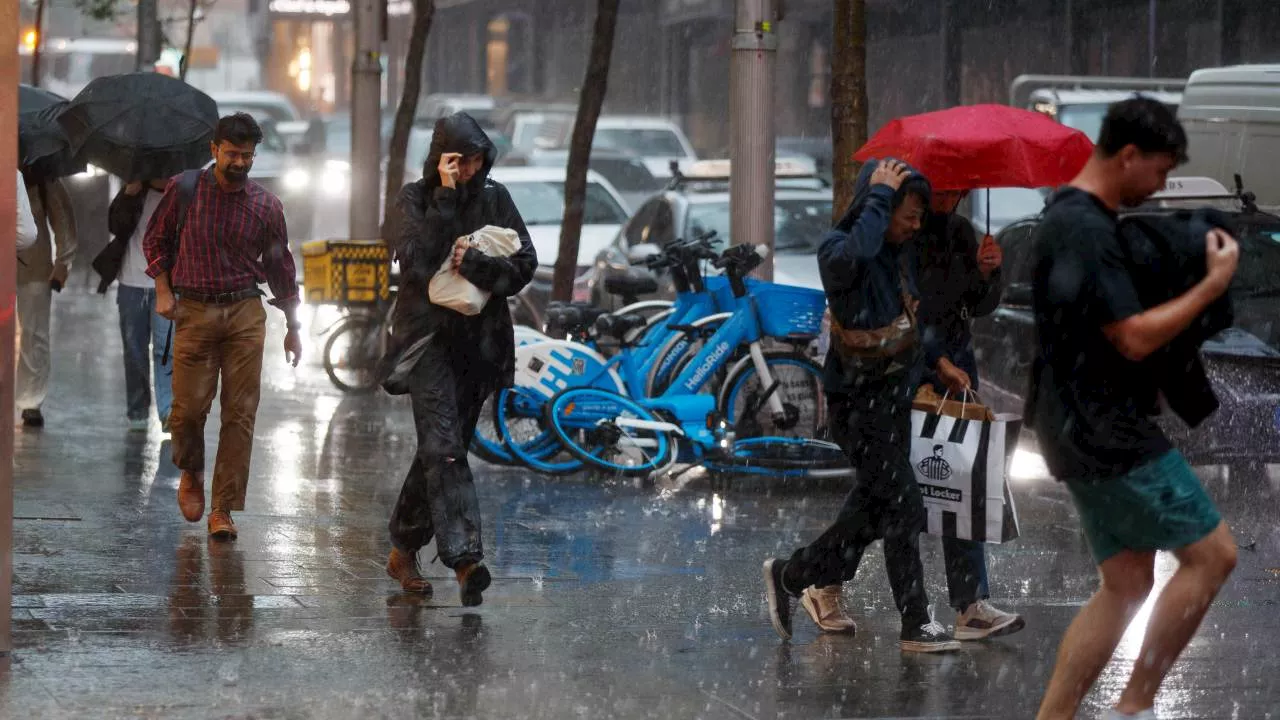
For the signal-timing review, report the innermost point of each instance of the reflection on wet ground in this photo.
(611, 599)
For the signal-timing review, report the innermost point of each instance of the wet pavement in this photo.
(611, 598)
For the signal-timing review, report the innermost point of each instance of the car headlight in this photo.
(337, 177)
(297, 180)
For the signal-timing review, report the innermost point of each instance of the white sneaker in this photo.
(982, 620)
(826, 611)
(1148, 714)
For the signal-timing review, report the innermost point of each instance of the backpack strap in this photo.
(187, 182)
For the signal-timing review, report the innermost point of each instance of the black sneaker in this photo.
(33, 418)
(930, 637)
(779, 599)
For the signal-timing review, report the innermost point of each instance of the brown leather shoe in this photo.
(403, 567)
(473, 579)
(191, 496)
(220, 525)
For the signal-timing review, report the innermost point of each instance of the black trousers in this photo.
(438, 498)
(873, 427)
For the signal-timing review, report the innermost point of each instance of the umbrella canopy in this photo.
(983, 146)
(43, 148)
(140, 126)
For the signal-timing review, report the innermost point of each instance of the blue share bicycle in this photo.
(595, 422)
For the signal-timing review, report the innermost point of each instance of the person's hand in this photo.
(460, 248)
(1222, 255)
(955, 379)
(990, 256)
(890, 172)
(166, 303)
(58, 278)
(133, 188)
(449, 170)
(292, 347)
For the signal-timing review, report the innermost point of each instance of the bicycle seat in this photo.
(572, 318)
(619, 326)
(630, 284)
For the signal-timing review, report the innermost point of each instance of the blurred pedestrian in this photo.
(42, 270)
(959, 280)
(1091, 404)
(27, 232)
(456, 361)
(145, 333)
(208, 252)
(872, 369)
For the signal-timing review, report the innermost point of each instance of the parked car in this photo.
(655, 140)
(624, 171)
(1232, 117)
(1243, 362)
(268, 106)
(695, 206)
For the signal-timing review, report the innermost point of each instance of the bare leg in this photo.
(1205, 566)
(1094, 634)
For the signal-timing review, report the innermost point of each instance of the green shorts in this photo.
(1157, 506)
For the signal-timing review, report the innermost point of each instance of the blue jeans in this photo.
(143, 330)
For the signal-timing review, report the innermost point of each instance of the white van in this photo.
(1232, 118)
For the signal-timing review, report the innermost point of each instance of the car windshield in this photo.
(542, 203)
(999, 207)
(1255, 290)
(266, 111)
(1085, 117)
(271, 139)
(798, 225)
(645, 143)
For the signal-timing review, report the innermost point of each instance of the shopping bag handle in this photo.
(964, 399)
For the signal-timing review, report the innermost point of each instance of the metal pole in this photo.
(952, 52)
(8, 253)
(148, 35)
(751, 128)
(366, 109)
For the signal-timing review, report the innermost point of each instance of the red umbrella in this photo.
(983, 146)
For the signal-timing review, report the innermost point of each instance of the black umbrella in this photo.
(44, 152)
(140, 126)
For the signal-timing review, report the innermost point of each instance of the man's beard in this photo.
(236, 175)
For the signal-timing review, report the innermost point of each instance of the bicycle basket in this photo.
(789, 311)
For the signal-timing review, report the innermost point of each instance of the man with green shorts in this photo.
(1091, 405)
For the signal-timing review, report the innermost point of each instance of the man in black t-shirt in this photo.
(1091, 405)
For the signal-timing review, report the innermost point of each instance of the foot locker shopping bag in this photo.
(961, 467)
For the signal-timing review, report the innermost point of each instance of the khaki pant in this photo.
(35, 301)
(212, 341)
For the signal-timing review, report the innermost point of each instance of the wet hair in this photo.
(916, 185)
(238, 129)
(1147, 124)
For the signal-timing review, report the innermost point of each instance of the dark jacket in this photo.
(434, 217)
(952, 291)
(1166, 253)
(123, 217)
(862, 275)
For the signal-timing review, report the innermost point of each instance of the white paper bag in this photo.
(961, 467)
(449, 289)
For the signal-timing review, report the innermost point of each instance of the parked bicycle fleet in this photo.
(723, 376)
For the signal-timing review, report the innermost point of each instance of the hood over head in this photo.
(459, 133)
(862, 190)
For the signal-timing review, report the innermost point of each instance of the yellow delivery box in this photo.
(346, 272)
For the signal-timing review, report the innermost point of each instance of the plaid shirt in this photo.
(230, 241)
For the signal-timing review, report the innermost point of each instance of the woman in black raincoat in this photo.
(453, 361)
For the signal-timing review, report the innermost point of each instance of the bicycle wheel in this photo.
(782, 457)
(353, 352)
(518, 419)
(799, 386)
(609, 431)
(487, 442)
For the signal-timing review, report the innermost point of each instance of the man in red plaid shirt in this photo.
(208, 263)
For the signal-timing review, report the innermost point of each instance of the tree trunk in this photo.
(590, 101)
(411, 89)
(35, 51)
(848, 97)
(191, 34)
